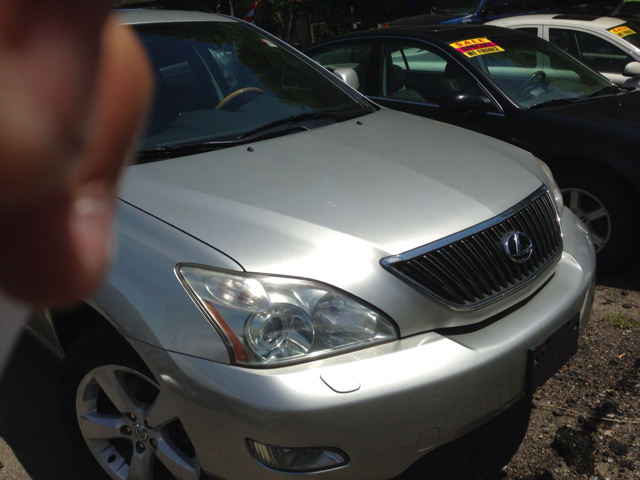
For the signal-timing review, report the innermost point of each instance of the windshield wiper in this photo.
(277, 128)
(289, 121)
(174, 151)
(606, 89)
(555, 101)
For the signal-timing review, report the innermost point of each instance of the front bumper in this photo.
(399, 400)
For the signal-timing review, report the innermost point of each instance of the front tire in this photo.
(118, 411)
(606, 209)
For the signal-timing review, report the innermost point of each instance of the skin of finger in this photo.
(59, 248)
(49, 58)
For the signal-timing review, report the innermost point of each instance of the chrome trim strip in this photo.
(387, 262)
(409, 254)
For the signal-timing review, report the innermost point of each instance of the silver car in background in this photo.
(306, 283)
(607, 45)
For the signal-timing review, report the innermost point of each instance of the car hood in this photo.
(309, 203)
(605, 129)
(612, 112)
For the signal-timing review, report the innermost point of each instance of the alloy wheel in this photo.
(131, 428)
(592, 212)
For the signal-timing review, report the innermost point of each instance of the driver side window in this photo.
(420, 73)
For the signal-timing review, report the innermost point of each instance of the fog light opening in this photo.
(297, 460)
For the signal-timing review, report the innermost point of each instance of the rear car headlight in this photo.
(553, 186)
(269, 320)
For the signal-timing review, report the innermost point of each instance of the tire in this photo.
(606, 210)
(118, 412)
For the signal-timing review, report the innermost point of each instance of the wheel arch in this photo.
(613, 197)
(562, 165)
(72, 324)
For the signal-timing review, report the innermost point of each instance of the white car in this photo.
(608, 45)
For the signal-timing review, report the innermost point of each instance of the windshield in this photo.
(529, 70)
(628, 31)
(626, 9)
(216, 81)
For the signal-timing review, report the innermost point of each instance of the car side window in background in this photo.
(593, 51)
(179, 75)
(421, 73)
(566, 40)
(354, 55)
(226, 62)
(530, 30)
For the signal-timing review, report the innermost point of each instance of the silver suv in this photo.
(308, 283)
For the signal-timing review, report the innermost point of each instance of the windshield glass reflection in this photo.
(216, 81)
(531, 71)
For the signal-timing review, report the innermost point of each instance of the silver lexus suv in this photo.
(307, 283)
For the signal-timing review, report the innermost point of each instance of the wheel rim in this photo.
(131, 428)
(592, 212)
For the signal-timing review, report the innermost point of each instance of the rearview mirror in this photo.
(464, 102)
(632, 69)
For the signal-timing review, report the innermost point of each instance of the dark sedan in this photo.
(521, 89)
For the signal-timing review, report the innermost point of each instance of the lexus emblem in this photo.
(518, 246)
(140, 432)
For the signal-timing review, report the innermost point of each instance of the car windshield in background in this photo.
(531, 71)
(218, 81)
(628, 31)
(626, 9)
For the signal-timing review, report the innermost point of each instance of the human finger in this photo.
(49, 59)
(59, 247)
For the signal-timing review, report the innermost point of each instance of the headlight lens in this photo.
(553, 186)
(270, 320)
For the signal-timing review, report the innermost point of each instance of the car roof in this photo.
(139, 16)
(444, 33)
(562, 19)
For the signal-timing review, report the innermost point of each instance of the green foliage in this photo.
(622, 320)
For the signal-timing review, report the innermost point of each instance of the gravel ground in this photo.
(584, 423)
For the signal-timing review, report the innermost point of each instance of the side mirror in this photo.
(464, 102)
(348, 76)
(632, 69)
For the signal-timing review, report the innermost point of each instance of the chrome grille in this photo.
(472, 268)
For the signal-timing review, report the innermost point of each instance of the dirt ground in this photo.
(584, 423)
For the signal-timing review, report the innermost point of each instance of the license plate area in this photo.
(548, 355)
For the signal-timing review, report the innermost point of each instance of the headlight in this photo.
(553, 186)
(268, 320)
